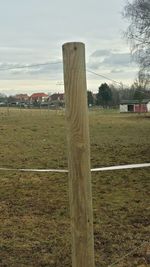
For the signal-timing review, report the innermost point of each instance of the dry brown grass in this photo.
(34, 208)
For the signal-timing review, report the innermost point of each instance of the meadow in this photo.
(34, 207)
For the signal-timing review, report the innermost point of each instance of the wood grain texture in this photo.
(79, 155)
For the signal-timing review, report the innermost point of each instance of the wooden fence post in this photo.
(79, 155)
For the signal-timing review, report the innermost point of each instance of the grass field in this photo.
(34, 207)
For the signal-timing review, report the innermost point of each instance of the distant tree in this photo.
(104, 96)
(138, 95)
(140, 87)
(2, 95)
(12, 99)
(127, 93)
(115, 101)
(138, 32)
(36, 103)
(3, 98)
(90, 98)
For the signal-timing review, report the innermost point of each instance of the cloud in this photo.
(113, 61)
(16, 70)
(114, 64)
(93, 65)
(99, 53)
(119, 59)
(117, 71)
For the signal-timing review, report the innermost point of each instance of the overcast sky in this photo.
(33, 31)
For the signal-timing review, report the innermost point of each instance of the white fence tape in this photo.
(122, 167)
(111, 168)
(33, 170)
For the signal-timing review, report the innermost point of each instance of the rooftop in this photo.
(134, 101)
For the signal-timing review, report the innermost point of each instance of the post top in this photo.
(74, 44)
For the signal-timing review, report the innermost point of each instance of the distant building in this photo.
(57, 100)
(135, 106)
(39, 97)
(22, 97)
(57, 97)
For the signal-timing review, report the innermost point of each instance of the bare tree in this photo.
(138, 32)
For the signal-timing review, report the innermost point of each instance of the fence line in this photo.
(111, 168)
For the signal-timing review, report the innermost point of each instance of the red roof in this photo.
(38, 95)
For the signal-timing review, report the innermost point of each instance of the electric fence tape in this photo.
(111, 168)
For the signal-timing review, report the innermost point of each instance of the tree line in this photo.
(111, 96)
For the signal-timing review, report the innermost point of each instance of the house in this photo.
(22, 97)
(39, 97)
(135, 105)
(57, 100)
(57, 97)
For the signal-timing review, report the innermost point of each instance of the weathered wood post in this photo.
(79, 155)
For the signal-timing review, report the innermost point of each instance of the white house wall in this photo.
(123, 108)
(148, 107)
